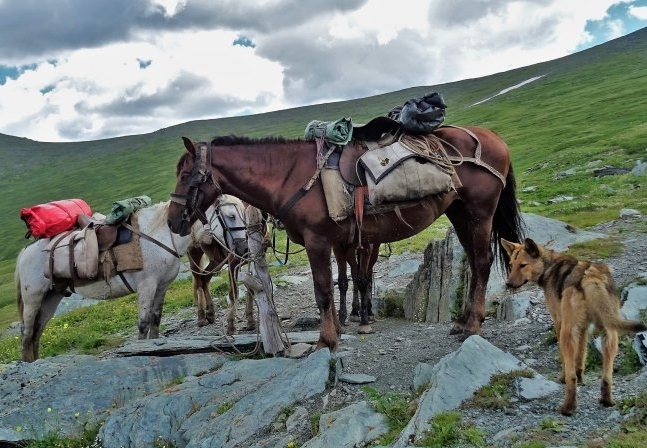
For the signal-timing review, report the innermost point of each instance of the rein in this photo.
(152, 240)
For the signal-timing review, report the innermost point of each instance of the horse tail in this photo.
(507, 222)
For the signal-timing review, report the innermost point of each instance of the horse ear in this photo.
(188, 144)
(531, 248)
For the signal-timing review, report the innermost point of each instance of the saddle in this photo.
(108, 235)
(380, 131)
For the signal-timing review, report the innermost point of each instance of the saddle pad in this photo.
(129, 255)
(379, 162)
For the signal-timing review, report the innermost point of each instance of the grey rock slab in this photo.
(63, 392)
(453, 380)
(260, 408)
(354, 425)
(356, 378)
(178, 412)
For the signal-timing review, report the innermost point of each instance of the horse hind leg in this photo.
(34, 320)
(367, 257)
(475, 239)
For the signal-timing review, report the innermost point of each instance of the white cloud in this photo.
(639, 12)
(97, 69)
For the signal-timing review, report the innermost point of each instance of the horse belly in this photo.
(409, 221)
(111, 289)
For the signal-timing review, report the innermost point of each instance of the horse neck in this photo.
(264, 175)
(152, 221)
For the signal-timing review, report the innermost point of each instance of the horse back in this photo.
(493, 149)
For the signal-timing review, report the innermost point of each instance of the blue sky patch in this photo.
(244, 42)
(12, 72)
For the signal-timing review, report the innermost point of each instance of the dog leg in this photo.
(580, 359)
(567, 346)
(609, 352)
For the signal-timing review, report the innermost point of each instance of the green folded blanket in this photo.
(337, 132)
(122, 209)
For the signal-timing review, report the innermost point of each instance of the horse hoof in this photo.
(354, 318)
(456, 329)
(211, 319)
(365, 329)
(203, 322)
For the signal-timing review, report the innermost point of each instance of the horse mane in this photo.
(159, 214)
(231, 140)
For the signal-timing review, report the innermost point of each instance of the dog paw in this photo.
(566, 410)
(607, 402)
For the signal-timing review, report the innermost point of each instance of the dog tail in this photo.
(628, 326)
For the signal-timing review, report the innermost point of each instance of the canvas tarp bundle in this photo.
(52, 218)
(124, 208)
(337, 132)
(420, 115)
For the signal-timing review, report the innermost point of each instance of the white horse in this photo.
(38, 298)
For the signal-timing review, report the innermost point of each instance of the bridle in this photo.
(227, 230)
(201, 173)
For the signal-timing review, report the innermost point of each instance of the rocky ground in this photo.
(397, 346)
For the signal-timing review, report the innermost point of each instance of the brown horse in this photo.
(279, 176)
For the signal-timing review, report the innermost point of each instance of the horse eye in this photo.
(523, 265)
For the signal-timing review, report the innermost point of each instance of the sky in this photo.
(78, 70)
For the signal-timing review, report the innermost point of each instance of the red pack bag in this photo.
(52, 218)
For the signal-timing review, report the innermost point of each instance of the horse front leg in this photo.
(318, 250)
(146, 308)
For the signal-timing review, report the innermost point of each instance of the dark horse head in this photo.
(195, 187)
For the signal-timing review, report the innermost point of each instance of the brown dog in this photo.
(577, 293)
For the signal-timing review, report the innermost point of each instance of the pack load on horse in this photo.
(139, 254)
(283, 177)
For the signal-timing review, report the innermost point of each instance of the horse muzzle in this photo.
(182, 227)
(241, 248)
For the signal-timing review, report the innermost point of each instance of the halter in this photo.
(226, 229)
(201, 173)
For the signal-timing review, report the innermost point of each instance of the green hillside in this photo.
(582, 108)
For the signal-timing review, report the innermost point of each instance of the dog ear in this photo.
(531, 248)
(509, 246)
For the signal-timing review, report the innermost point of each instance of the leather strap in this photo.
(321, 161)
(51, 258)
(152, 240)
(119, 273)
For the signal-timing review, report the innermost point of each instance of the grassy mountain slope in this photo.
(584, 107)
